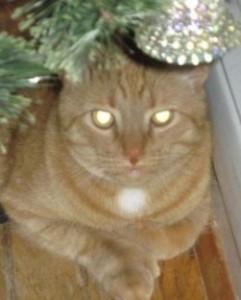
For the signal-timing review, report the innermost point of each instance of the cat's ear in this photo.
(197, 76)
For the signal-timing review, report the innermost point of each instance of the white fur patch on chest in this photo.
(131, 200)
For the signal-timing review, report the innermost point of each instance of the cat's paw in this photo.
(134, 280)
(130, 285)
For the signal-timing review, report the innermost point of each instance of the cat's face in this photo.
(130, 126)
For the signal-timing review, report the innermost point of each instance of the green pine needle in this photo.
(19, 64)
(20, 68)
(72, 34)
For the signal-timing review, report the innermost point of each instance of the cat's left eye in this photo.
(102, 119)
(162, 118)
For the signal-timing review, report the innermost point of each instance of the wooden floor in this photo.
(28, 273)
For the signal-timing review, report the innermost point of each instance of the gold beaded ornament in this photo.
(189, 32)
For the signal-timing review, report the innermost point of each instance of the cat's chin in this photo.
(131, 176)
(128, 173)
(134, 173)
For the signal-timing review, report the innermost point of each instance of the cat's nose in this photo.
(134, 154)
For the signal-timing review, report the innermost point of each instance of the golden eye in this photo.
(102, 119)
(162, 117)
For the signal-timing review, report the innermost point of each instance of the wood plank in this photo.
(182, 280)
(213, 268)
(3, 265)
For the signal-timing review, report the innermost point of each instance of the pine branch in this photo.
(66, 35)
(20, 68)
(72, 34)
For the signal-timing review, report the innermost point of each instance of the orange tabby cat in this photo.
(116, 174)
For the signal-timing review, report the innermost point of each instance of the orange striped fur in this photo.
(116, 200)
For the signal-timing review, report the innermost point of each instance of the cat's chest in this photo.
(131, 201)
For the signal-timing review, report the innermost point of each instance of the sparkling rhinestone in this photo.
(178, 27)
(215, 28)
(212, 6)
(164, 43)
(153, 38)
(214, 39)
(203, 6)
(170, 59)
(178, 5)
(208, 57)
(181, 60)
(193, 15)
(195, 59)
(190, 32)
(190, 45)
(193, 27)
(157, 33)
(186, 31)
(171, 31)
(192, 4)
(204, 45)
(199, 31)
(176, 45)
(148, 47)
(154, 52)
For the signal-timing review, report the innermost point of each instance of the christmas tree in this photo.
(68, 36)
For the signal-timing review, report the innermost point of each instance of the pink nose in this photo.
(134, 154)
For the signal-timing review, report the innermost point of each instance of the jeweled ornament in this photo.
(189, 32)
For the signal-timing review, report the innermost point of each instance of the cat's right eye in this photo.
(162, 118)
(102, 119)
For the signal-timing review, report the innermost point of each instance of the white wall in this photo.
(224, 96)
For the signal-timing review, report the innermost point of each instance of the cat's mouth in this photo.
(134, 172)
(130, 172)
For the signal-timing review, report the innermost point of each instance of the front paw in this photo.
(129, 284)
(125, 270)
(132, 278)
